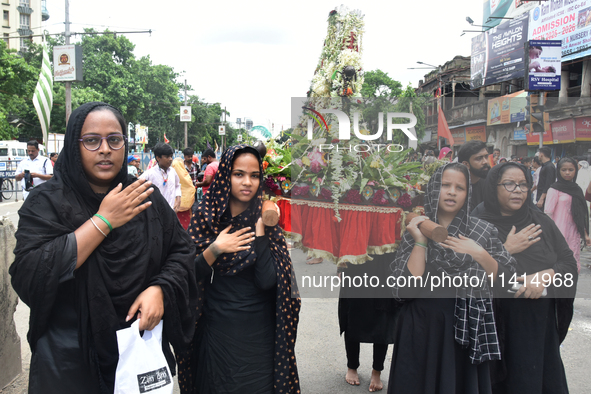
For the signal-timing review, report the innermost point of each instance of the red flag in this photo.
(166, 139)
(442, 128)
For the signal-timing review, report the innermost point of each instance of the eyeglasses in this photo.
(93, 142)
(512, 186)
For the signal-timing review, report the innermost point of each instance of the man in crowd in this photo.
(164, 177)
(547, 175)
(131, 165)
(191, 167)
(33, 170)
(210, 171)
(473, 154)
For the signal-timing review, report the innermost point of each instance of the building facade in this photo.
(22, 22)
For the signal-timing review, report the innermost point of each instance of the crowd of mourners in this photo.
(100, 246)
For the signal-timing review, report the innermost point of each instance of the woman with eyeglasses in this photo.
(97, 249)
(566, 205)
(533, 314)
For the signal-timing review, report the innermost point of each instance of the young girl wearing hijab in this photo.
(566, 205)
(531, 326)
(90, 254)
(246, 334)
(446, 336)
(445, 153)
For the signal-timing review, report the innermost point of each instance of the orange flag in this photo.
(442, 128)
(166, 139)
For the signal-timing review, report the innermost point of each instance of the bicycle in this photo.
(7, 189)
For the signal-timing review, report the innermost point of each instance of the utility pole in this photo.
(186, 135)
(541, 102)
(224, 137)
(68, 84)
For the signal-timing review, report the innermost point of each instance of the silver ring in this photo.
(530, 238)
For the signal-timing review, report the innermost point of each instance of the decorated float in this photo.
(341, 200)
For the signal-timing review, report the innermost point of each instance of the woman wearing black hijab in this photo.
(91, 255)
(532, 326)
(246, 334)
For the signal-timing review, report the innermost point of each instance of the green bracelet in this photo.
(104, 220)
(421, 244)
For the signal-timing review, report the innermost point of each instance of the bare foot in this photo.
(352, 377)
(376, 383)
(317, 260)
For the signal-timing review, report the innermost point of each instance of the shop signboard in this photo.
(563, 131)
(534, 138)
(476, 133)
(519, 134)
(583, 128)
(459, 135)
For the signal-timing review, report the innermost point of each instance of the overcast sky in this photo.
(253, 56)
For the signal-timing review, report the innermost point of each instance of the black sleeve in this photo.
(264, 268)
(202, 269)
(69, 258)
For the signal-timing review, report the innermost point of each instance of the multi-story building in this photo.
(22, 22)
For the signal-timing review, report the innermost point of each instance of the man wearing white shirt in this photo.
(164, 177)
(39, 167)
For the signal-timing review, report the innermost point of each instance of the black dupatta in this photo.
(151, 249)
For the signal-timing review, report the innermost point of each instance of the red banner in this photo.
(583, 129)
(563, 131)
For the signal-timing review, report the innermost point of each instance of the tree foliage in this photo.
(146, 93)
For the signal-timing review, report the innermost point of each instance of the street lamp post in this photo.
(438, 68)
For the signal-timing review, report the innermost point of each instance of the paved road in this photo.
(321, 351)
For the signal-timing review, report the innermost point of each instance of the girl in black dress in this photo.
(247, 331)
(446, 336)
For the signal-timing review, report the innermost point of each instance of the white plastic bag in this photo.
(142, 367)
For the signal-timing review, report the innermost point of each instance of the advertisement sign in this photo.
(544, 64)
(141, 134)
(504, 9)
(583, 129)
(239, 137)
(476, 133)
(185, 113)
(507, 109)
(459, 135)
(519, 134)
(563, 131)
(567, 21)
(67, 63)
(222, 130)
(498, 54)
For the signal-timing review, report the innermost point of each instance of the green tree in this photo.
(17, 84)
(378, 84)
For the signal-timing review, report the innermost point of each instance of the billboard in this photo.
(507, 109)
(543, 59)
(498, 9)
(568, 21)
(583, 129)
(498, 54)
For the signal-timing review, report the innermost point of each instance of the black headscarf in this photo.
(210, 219)
(474, 321)
(151, 249)
(579, 210)
(551, 251)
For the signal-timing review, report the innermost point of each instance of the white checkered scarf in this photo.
(474, 324)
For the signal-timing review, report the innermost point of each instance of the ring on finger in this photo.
(530, 238)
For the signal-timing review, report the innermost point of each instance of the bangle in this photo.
(97, 227)
(104, 220)
(422, 245)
